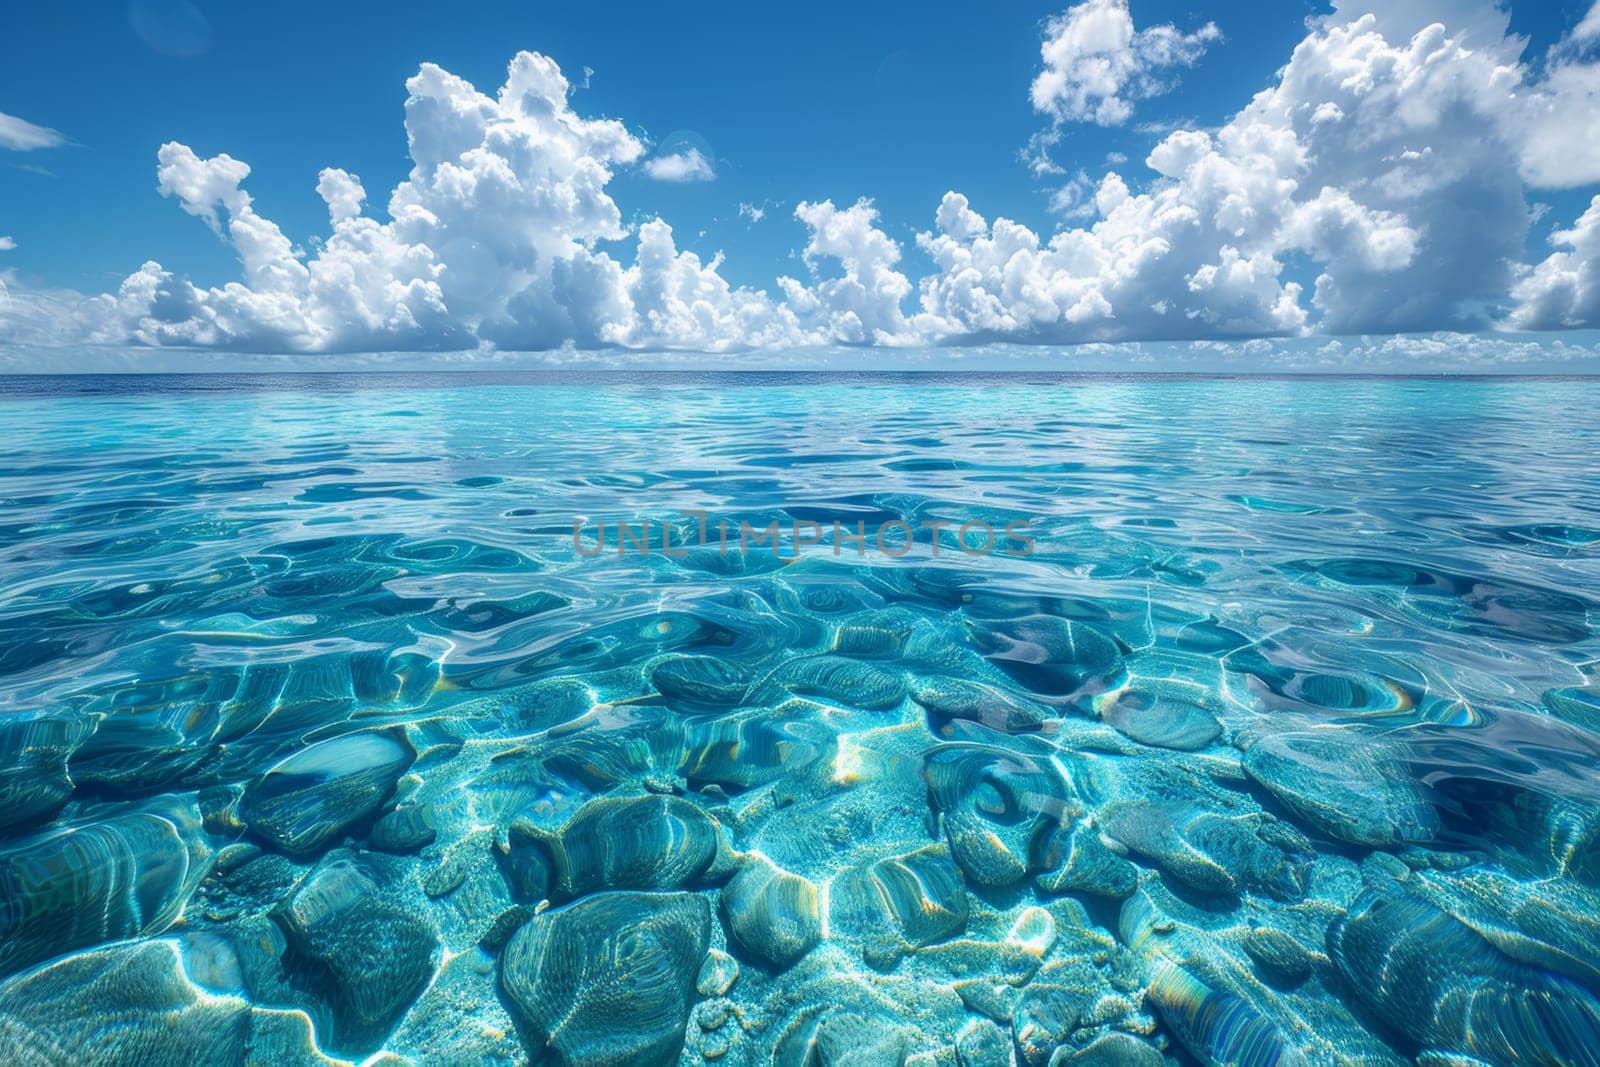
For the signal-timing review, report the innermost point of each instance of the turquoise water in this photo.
(1268, 735)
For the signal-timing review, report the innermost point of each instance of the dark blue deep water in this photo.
(949, 721)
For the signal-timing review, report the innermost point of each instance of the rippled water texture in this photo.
(320, 741)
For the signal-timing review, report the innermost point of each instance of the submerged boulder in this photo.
(956, 698)
(34, 783)
(834, 1037)
(1073, 858)
(1446, 988)
(644, 842)
(992, 804)
(310, 798)
(708, 682)
(900, 903)
(770, 913)
(609, 980)
(1052, 657)
(78, 1011)
(125, 877)
(851, 683)
(1207, 851)
(755, 746)
(1347, 786)
(366, 956)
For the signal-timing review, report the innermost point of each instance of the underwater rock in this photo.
(1442, 985)
(538, 705)
(1563, 834)
(900, 902)
(1206, 851)
(1074, 859)
(906, 638)
(643, 842)
(956, 698)
(125, 877)
(983, 1044)
(755, 746)
(34, 782)
(613, 745)
(1110, 1050)
(881, 638)
(254, 885)
(1218, 1028)
(966, 958)
(830, 1037)
(1050, 656)
(1164, 724)
(1373, 697)
(1145, 712)
(1034, 931)
(448, 875)
(851, 683)
(701, 681)
(141, 754)
(231, 857)
(608, 980)
(1549, 923)
(984, 996)
(311, 797)
(1167, 699)
(459, 1019)
(516, 782)
(1278, 956)
(135, 1003)
(717, 974)
(503, 925)
(365, 955)
(712, 1014)
(407, 828)
(1045, 1016)
(770, 913)
(992, 804)
(1346, 786)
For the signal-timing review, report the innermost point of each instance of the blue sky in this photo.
(900, 104)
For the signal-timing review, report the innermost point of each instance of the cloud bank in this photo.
(1389, 164)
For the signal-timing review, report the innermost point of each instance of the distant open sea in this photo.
(948, 720)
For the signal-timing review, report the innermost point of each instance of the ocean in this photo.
(934, 719)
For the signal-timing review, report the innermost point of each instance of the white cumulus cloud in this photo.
(1096, 65)
(503, 236)
(493, 240)
(688, 165)
(862, 303)
(1564, 290)
(1557, 119)
(1381, 161)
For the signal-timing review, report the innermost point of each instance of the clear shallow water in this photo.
(1279, 746)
